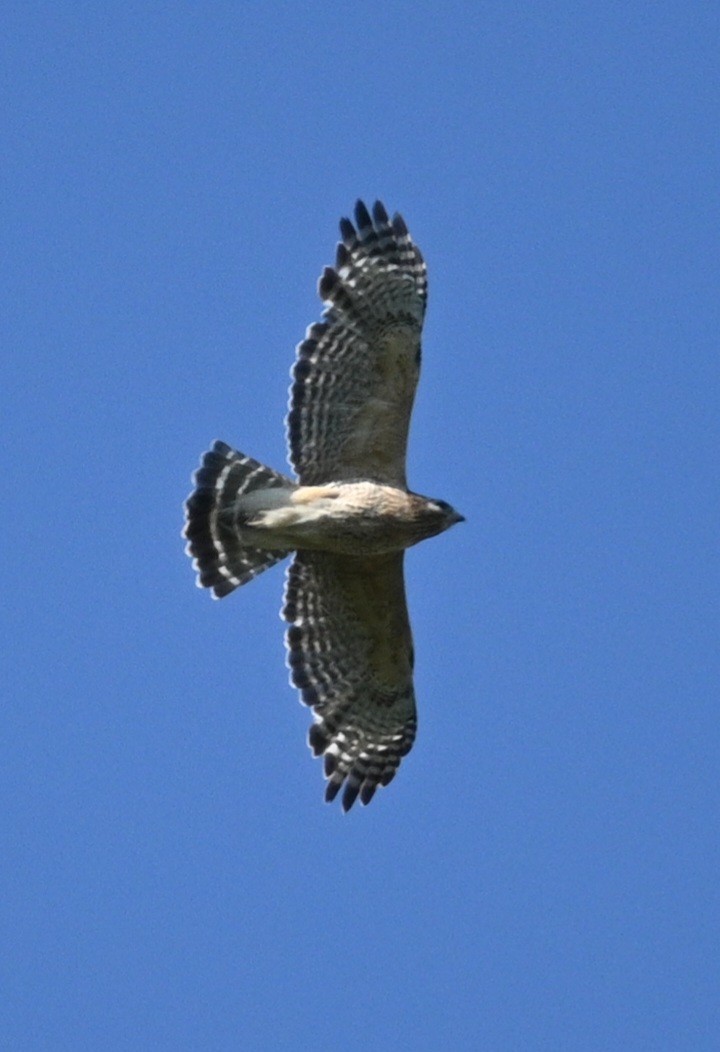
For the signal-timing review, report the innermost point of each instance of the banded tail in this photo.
(222, 562)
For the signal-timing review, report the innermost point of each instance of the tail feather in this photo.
(222, 561)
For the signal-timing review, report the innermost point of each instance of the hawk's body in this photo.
(350, 515)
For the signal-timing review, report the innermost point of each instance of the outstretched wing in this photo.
(350, 654)
(356, 371)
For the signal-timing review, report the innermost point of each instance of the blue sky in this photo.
(543, 872)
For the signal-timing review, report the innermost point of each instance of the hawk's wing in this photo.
(350, 654)
(357, 370)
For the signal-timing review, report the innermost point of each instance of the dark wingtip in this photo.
(350, 795)
(362, 216)
(387, 776)
(317, 739)
(347, 231)
(367, 792)
(398, 225)
(379, 214)
(328, 281)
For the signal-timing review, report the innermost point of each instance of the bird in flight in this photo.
(348, 516)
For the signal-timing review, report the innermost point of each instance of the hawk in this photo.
(348, 517)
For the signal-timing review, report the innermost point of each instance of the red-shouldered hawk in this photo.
(348, 517)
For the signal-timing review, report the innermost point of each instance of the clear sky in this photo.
(543, 873)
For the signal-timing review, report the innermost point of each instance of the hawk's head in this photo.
(438, 515)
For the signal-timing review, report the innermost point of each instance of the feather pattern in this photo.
(350, 656)
(356, 371)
